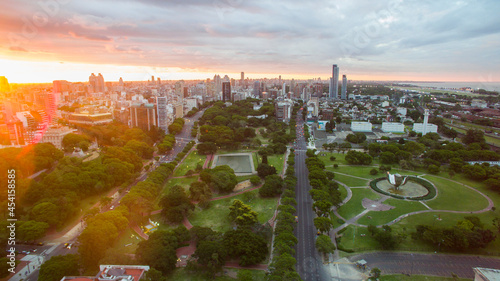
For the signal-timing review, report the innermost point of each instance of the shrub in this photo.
(255, 180)
(373, 171)
(335, 166)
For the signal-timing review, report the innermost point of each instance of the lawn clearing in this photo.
(184, 182)
(216, 217)
(455, 197)
(383, 217)
(353, 206)
(350, 181)
(277, 162)
(127, 242)
(189, 163)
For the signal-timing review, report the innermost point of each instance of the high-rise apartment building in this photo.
(161, 109)
(143, 116)
(4, 84)
(344, 88)
(226, 91)
(61, 86)
(334, 83)
(96, 83)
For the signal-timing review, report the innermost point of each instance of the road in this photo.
(426, 264)
(56, 249)
(309, 263)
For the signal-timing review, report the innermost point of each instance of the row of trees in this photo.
(282, 266)
(468, 234)
(176, 126)
(141, 198)
(325, 195)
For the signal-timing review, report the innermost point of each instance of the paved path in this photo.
(426, 264)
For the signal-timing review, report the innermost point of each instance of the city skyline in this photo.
(385, 41)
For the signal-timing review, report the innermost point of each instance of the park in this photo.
(452, 201)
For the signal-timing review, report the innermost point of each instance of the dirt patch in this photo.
(375, 206)
(242, 185)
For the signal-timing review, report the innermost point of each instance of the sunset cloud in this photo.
(387, 38)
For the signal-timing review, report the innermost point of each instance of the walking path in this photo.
(335, 256)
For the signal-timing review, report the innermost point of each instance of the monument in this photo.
(396, 180)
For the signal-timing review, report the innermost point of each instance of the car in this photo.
(68, 245)
(296, 219)
(112, 207)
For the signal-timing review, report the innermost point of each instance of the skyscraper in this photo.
(161, 109)
(334, 83)
(96, 83)
(344, 87)
(226, 91)
(242, 76)
(4, 84)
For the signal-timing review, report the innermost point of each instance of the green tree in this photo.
(242, 214)
(159, 251)
(154, 275)
(249, 247)
(324, 244)
(244, 275)
(375, 273)
(59, 266)
(323, 224)
(176, 204)
(272, 186)
(473, 136)
(31, 230)
(264, 170)
(46, 212)
(70, 141)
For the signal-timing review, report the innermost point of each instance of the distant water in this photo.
(489, 86)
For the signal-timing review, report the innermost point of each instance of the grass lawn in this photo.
(216, 217)
(127, 242)
(184, 182)
(276, 161)
(181, 274)
(401, 277)
(452, 196)
(353, 206)
(383, 217)
(364, 171)
(352, 239)
(256, 159)
(339, 158)
(350, 181)
(447, 220)
(343, 192)
(189, 163)
(243, 178)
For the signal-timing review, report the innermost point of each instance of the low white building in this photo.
(190, 104)
(479, 104)
(402, 111)
(486, 274)
(393, 127)
(55, 135)
(361, 126)
(419, 128)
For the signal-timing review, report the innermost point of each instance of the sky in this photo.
(404, 40)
